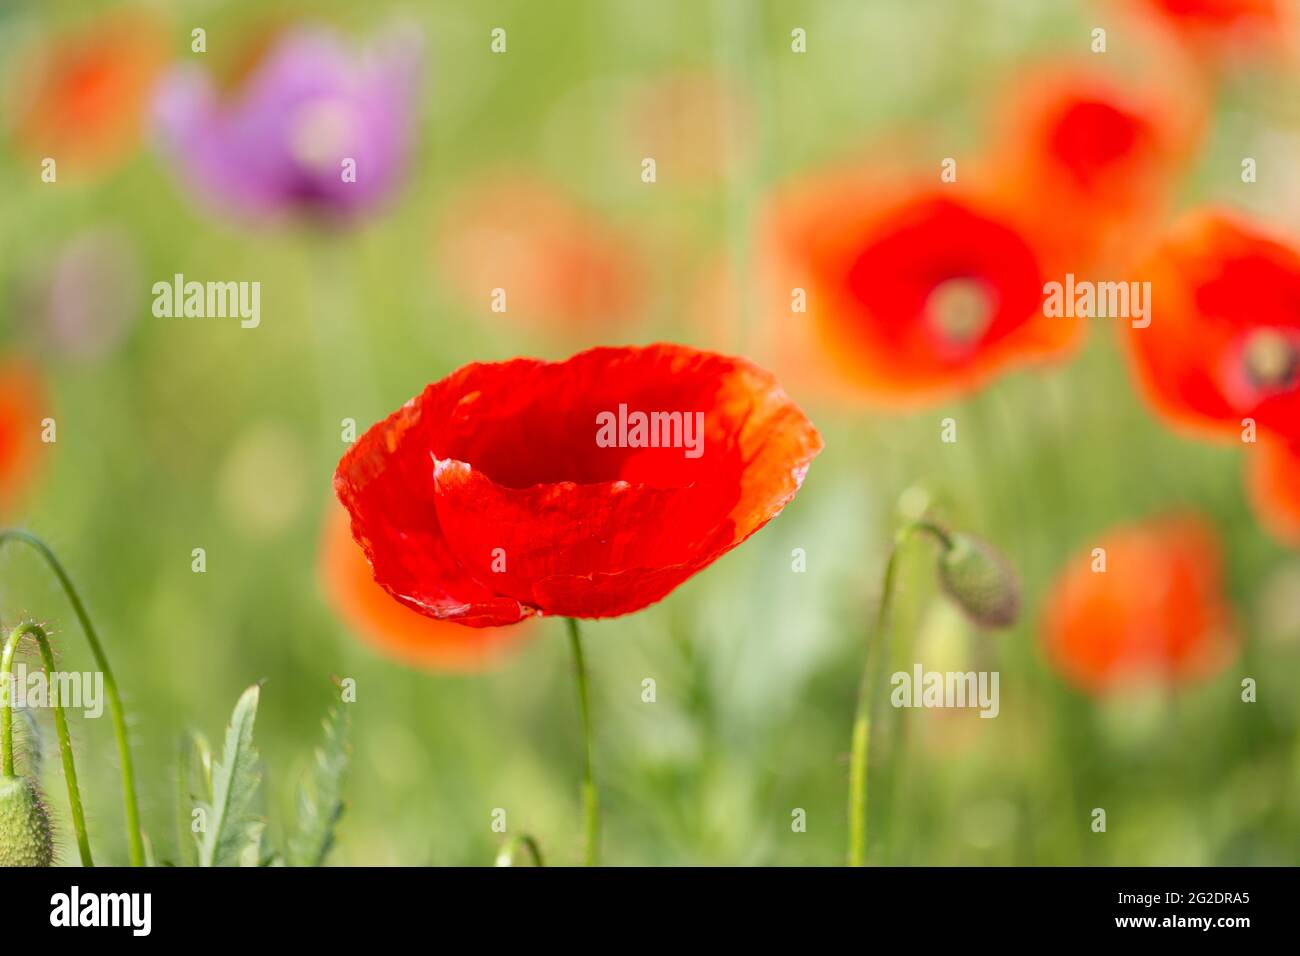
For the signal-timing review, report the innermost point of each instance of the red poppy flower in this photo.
(21, 411)
(391, 628)
(1223, 344)
(1273, 484)
(504, 490)
(1156, 612)
(909, 297)
(1096, 153)
(558, 263)
(1213, 28)
(80, 99)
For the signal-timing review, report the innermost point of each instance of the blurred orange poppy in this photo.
(1095, 155)
(697, 126)
(1223, 347)
(911, 294)
(80, 98)
(556, 262)
(1273, 485)
(1144, 603)
(392, 628)
(22, 407)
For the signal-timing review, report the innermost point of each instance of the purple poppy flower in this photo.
(314, 130)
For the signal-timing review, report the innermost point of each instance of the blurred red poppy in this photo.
(501, 491)
(1096, 154)
(1155, 613)
(912, 295)
(391, 628)
(1273, 484)
(1223, 344)
(558, 263)
(1214, 28)
(22, 407)
(81, 97)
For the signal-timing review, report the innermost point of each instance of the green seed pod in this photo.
(24, 825)
(979, 579)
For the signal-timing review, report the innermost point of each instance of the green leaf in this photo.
(233, 831)
(320, 794)
(194, 766)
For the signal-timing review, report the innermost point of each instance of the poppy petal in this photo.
(386, 483)
(391, 628)
(1273, 486)
(22, 400)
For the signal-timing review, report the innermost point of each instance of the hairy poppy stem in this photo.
(862, 714)
(60, 725)
(590, 799)
(525, 841)
(135, 841)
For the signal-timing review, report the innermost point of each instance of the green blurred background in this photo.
(200, 434)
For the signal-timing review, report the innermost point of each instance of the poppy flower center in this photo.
(1092, 137)
(1271, 360)
(320, 132)
(961, 309)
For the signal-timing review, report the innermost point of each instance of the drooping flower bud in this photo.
(978, 578)
(25, 838)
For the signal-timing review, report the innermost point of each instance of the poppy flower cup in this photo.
(1145, 604)
(586, 488)
(525, 487)
(1222, 351)
(911, 297)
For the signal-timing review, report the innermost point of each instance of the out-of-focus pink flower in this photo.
(81, 303)
(311, 130)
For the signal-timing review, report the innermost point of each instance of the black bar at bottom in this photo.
(495, 905)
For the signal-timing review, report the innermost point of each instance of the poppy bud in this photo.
(24, 825)
(979, 579)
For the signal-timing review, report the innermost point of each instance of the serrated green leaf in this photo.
(233, 828)
(320, 794)
(194, 768)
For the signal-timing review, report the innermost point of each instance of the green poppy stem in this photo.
(522, 841)
(60, 725)
(863, 713)
(590, 798)
(135, 840)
